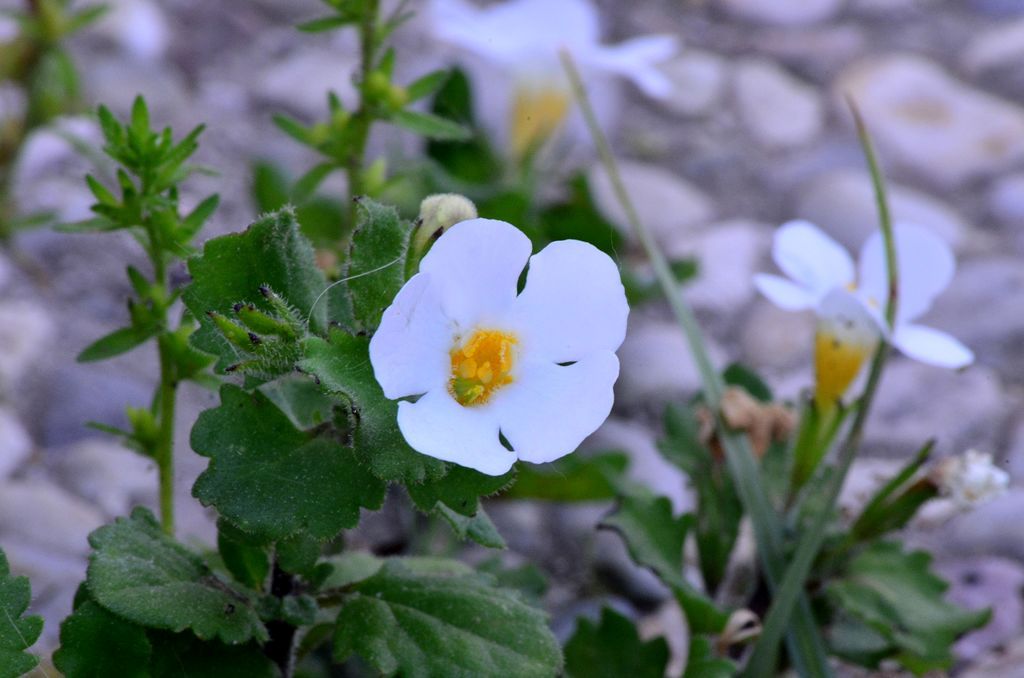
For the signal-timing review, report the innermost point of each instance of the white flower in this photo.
(522, 93)
(850, 301)
(970, 479)
(535, 368)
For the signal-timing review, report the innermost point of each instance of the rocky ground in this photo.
(755, 133)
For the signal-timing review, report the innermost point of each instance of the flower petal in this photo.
(932, 346)
(548, 411)
(637, 59)
(476, 266)
(437, 426)
(409, 350)
(573, 304)
(812, 258)
(925, 264)
(783, 293)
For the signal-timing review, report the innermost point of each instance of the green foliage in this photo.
(271, 267)
(376, 269)
(655, 540)
(95, 642)
(247, 562)
(140, 574)
(318, 216)
(701, 662)
(460, 489)
(479, 527)
(900, 604)
(409, 623)
(273, 480)
(612, 649)
(572, 478)
(17, 632)
(342, 366)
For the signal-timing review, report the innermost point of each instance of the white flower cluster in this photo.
(970, 479)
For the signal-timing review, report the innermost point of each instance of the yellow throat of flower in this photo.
(838, 358)
(536, 114)
(481, 365)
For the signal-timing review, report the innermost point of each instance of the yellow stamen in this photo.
(536, 114)
(481, 365)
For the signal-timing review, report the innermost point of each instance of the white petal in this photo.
(637, 59)
(925, 264)
(844, 315)
(932, 346)
(573, 304)
(476, 266)
(438, 426)
(783, 293)
(409, 350)
(812, 258)
(548, 411)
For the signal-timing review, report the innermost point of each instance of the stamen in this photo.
(481, 365)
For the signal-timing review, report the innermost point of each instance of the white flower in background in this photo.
(535, 368)
(970, 479)
(850, 300)
(521, 91)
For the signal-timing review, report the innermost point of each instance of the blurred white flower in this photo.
(849, 300)
(970, 479)
(536, 368)
(521, 92)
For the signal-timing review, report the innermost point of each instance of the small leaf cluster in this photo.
(17, 632)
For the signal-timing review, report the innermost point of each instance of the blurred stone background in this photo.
(756, 133)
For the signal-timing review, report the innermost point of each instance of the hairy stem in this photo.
(164, 454)
(362, 119)
(806, 645)
(280, 648)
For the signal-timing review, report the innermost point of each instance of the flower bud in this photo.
(970, 479)
(437, 214)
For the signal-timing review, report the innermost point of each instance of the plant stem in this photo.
(805, 643)
(363, 117)
(281, 645)
(810, 542)
(164, 454)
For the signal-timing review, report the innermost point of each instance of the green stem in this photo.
(363, 117)
(811, 541)
(165, 446)
(806, 645)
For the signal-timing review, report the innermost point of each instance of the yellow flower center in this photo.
(481, 366)
(837, 362)
(536, 114)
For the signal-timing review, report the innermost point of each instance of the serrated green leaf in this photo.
(572, 478)
(613, 649)
(95, 642)
(142, 575)
(298, 554)
(114, 344)
(702, 662)
(479, 527)
(460, 489)
(351, 567)
(342, 366)
(247, 563)
(376, 270)
(430, 125)
(232, 268)
(273, 480)
(655, 539)
(180, 655)
(420, 625)
(895, 593)
(17, 633)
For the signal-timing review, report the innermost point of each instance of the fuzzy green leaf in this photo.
(572, 478)
(95, 642)
(232, 268)
(142, 575)
(342, 366)
(613, 649)
(180, 655)
(419, 624)
(17, 633)
(376, 270)
(460, 489)
(271, 479)
(479, 527)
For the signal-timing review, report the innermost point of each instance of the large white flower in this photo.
(522, 94)
(850, 300)
(485, 363)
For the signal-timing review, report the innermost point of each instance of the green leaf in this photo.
(327, 23)
(191, 224)
(421, 624)
(613, 649)
(273, 480)
(342, 366)
(460, 489)
(376, 270)
(572, 478)
(579, 219)
(655, 539)
(114, 344)
(232, 268)
(95, 642)
(181, 655)
(427, 85)
(247, 563)
(430, 125)
(738, 374)
(311, 180)
(702, 662)
(479, 527)
(351, 567)
(139, 573)
(895, 594)
(17, 633)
